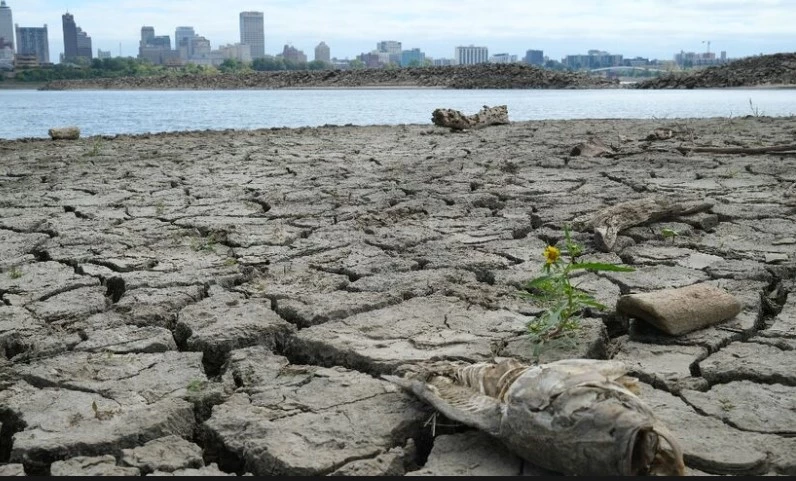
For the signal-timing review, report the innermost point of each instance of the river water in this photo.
(30, 113)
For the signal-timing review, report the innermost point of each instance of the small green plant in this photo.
(667, 233)
(95, 147)
(564, 301)
(755, 109)
(196, 385)
(231, 262)
(15, 272)
(160, 208)
(726, 405)
(204, 243)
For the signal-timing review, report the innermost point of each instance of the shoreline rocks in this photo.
(766, 70)
(483, 76)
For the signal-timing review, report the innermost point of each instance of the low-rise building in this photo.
(503, 58)
(593, 60)
(413, 58)
(471, 55)
(292, 54)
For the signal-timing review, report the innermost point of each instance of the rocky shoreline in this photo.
(766, 70)
(224, 302)
(484, 76)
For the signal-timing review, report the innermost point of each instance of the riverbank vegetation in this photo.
(130, 67)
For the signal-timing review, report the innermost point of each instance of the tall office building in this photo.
(147, 35)
(390, 50)
(77, 43)
(6, 27)
(70, 36)
(471, 55)
(182, 41)
(84, 44)
(252, 32)
(156, 48)
(33, 41)
(323, 53)
(534, 57)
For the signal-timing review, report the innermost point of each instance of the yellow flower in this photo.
(552, 254)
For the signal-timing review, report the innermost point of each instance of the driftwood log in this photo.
(455, 120)
(739, 150)
(576, 417)
(608, 223)
(66, 133)
(592, 148)
(682, 310)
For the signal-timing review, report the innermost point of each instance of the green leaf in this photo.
(597, 266)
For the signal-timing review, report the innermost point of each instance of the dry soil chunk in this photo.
(665, 367)
(282, 412)
(167, 454)
(470, 454)
(86, 466)
(415, 330)
(764, 408)
(227, 321)
(751, 361)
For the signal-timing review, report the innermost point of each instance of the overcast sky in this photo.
(647, 28)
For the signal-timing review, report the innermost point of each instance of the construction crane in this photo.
(707, 42)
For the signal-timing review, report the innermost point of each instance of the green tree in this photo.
(268, 64)
(232, 65)
(356, 64)
(317, 65)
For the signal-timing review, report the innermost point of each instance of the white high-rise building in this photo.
(323, 53)
(6, 25)
(471, 55)
(252, 33)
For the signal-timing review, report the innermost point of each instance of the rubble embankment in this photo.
(225, 302)
(766, 70)
(485, 76)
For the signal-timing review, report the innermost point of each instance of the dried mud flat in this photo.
(224, 302)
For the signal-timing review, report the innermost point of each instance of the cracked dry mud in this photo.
(211, 303)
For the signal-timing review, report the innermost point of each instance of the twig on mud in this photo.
(739, 150)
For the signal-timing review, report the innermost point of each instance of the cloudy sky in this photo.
(647, 28)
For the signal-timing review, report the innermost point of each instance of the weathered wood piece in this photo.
(739, 150)
(592, 148)
(608, 223)
(577, 417)
(66, 133)
(455, 120)
(682, 310)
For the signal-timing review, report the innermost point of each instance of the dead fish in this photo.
(576, 417)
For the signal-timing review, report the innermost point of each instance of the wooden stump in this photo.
(455, 120)
(66, 133)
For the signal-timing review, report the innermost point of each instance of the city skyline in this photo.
(648, 28)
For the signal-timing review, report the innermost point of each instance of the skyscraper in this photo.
(84, 44)
(70, 36)
(252, 32)
(77, 43)
(322, 53)
(6, 26)
(33, 41)
(182, 41)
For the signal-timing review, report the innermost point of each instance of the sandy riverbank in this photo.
(274, 274)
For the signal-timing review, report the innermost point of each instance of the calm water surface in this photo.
(30, 113)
